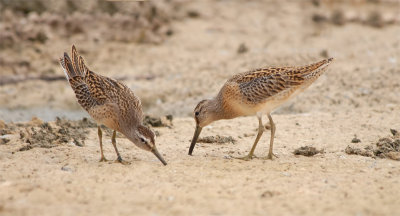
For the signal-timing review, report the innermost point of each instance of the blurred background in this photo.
(174, 53)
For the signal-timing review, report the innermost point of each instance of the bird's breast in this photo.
(107, 115)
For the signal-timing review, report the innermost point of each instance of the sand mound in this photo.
(307, 151)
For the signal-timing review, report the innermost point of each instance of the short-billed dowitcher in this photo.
(109, 102)
(256, 92)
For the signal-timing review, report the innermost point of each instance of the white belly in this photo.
(278, 100)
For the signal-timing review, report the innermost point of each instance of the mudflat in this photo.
(347, 122)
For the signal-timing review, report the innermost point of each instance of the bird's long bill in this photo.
(195, 137)
(158, 155)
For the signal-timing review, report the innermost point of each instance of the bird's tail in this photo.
(75, 67)
(315, 70)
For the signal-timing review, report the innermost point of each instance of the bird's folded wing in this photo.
(262, 85)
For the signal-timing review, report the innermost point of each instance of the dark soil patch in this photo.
(307, 151)
(216, 139)
(387, 147)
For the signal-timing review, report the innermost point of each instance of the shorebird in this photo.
(256, 92)
(110, 103)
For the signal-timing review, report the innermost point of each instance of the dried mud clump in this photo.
(64, 131)
(216, 139)
(355, 140)
(165, 121)
(307, 151)
(4, 141)
(37, 133)
(339, 17)
(367, 152)
(387, 147)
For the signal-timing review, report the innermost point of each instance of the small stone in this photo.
(67, 168)
(242, 48)
(193, 14)
(324, 53)
(169, 32)
(318, 18)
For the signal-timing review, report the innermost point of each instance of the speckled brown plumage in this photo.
(109, 102)
(260, 85)
(256, 92)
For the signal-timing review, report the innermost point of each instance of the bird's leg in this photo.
(114, 142)
(271, 142)
(99, 132)
(260, 132)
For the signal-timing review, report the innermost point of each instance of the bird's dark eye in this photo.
(141, 139)
(196, 113)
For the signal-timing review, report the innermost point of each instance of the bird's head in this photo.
(204, 114)
(143, 137)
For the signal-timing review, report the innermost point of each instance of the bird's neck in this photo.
(217, 109)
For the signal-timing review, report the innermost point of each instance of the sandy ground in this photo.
(69, 180)
(358, 96)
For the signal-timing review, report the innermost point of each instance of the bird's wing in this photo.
(107, 90)
(263, 87)
(261, 84)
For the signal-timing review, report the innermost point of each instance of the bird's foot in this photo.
(103, 159)
(119, 160)
(246, 158)
(270, 156)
